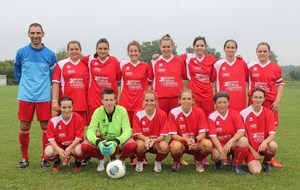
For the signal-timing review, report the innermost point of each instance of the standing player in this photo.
(149, 129)
(33, 68)
(65, 132)
(260, 130)
(232, 75)
(188, 127)
(226, 131)
(71, 79)
(167, 73)
(112, 123)
(134, 81)
(268, 76)
(201, 73)
(104, 71)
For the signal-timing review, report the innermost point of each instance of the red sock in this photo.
(240, 155)
(140, 156)
(176, 157)
(45, 142)
(160, 157)
(24, 142)
(128, 149)
(268, 156)
(53, 158)
(200, 156)
(91, 151)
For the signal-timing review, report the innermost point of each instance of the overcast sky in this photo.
(121, 21)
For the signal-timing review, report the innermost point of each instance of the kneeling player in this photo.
(226, 131)
(188, 127)
(149, 129)
(112, 123)
(65, 133)
(260, 129)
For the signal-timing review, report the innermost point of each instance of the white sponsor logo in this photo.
(168, 82)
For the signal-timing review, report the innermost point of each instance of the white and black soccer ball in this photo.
(115, 169)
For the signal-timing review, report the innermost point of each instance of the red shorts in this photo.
(267, 104)
(26, 110)
(83, 115)
(206, 106)
(167, 104)
(90, 113)
(130, 116)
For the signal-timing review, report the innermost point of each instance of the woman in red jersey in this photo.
(65, 134)
(226, 131)
(134, 81)
(104, 71)
(268, 76)
(201, 74)
(149, 129)
(71, 79)
(167, 73)
(260, 130)
(232, 76)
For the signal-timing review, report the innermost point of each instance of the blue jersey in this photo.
(33, 70)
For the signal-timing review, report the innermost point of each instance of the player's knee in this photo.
(163, 147)
(140, 146)
(242, 142)
(78, 150)
(255, 170)
(43, 125)
(175, 147)
(25, 125)
(206, 146)
(273, 146)
(49, 151)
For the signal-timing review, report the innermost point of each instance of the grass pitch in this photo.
(35, 177)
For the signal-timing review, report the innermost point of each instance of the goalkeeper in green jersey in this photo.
(109, 132)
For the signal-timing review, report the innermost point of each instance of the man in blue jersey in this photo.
(34, 66)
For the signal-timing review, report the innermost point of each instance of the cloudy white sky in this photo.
(121, 21)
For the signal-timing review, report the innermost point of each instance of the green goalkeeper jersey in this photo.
(119, 127)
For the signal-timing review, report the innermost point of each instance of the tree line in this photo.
(150, 48)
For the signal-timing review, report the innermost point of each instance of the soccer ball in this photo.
(115, 169)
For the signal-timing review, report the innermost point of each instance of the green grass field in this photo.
(35, 177)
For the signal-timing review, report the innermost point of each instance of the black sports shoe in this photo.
(77, 166)
(23, 164)
(86, 161)
(218, 165)
(45, 163)
(266, 167)
(56, 166)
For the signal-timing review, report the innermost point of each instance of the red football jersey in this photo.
(65, 132)
(73, 79)
(266, 76)
(102, 75)
(200, 73)
(224, 128)
(151, 127)
(232, 78)
(187, 125)
(167, 76)
(258, 125)
(134, 83)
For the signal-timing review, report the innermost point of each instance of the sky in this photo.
(249, 22)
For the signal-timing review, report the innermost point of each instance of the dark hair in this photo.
(231, 40)
(74, 42)
(134, 43)
(221, 95)
(107, 91)
(263, 43)
(64, 98)
(260, 90)
(102, 40)
(35, 25)
(199, 38)
(184, 91)
(166, 37)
